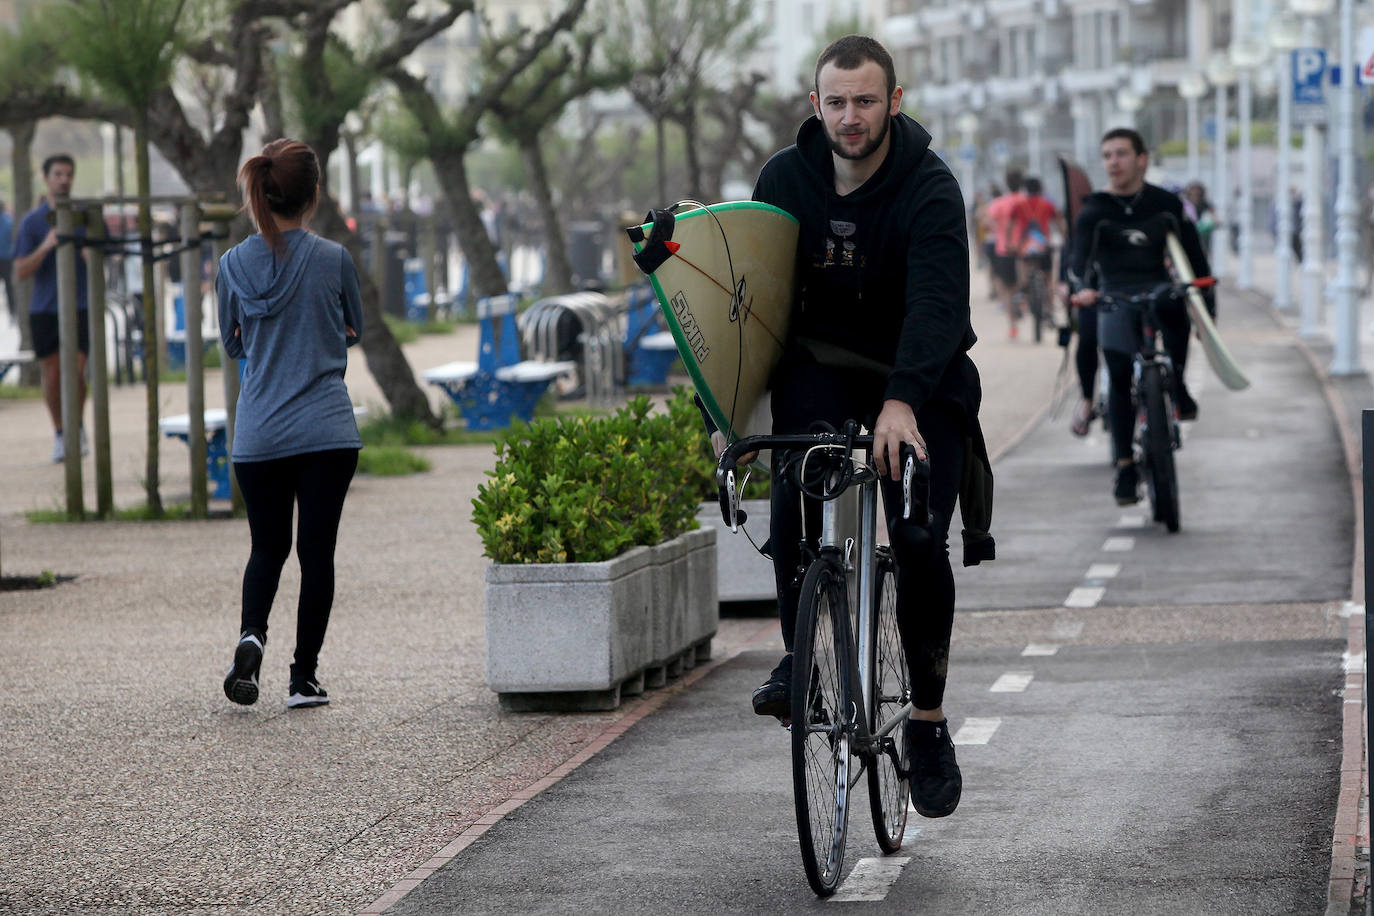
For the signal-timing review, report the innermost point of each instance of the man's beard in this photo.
(866, 150)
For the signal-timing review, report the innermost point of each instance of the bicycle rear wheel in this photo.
(888, 790)
(1161, 478)
(820, 743)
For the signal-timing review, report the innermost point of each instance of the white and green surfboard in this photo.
(724, 275)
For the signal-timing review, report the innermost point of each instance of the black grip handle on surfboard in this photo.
(915, 486)
(655, 248)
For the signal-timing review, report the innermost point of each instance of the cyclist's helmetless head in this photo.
(855, 96)
(1125, 159)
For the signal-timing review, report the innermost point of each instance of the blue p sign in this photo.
(1309, 68)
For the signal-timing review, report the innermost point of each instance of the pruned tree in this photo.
(562, 74)
(674, 47)
(451, 132)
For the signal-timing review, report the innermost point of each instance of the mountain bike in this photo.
(1156, 435)
(1036, 292)
(851, 688)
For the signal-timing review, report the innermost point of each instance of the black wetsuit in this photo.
(882, 312)
(1119, 248)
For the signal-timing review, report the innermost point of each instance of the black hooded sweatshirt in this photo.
(882, 271)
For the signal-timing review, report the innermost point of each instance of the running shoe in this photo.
(306, 692)
(59, 449)
(1187, 407)
(241, 684)
(935, 781)
(1127, 489)
(774, 696)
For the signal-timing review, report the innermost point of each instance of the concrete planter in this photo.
(581, 635)
(744, 575)
(568, 635)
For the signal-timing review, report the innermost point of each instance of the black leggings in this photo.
(925, 582)
(318, 481)
(1119, 329)
(1086, 355)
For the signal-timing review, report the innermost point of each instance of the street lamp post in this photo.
(967, 125)
(1221, 75)
(1191, 88)
(1032, 119)
(1313, 257)
(1284, 36)
(1347, 330)
(1128, 102)
(1245, 55)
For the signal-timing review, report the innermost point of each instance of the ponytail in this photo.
(282, 181)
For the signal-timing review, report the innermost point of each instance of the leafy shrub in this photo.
(576, 489)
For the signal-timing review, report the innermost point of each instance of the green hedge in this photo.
(586, 489)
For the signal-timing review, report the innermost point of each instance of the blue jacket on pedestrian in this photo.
(286, 316)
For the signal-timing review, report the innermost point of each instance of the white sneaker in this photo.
(59, 450)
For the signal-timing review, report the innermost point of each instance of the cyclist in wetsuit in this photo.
(1119, 247)
(879, 333)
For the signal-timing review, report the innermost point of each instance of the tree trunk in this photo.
(385, 360)
(21, 163)
(558, 272)
(479, 251)
(662, 155)
(350, 146)
(689, 145)
(150, 310)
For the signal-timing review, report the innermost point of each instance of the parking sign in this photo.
(1309, 72)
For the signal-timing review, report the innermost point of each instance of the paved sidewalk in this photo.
(133, 786)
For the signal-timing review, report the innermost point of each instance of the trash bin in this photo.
(585, 250)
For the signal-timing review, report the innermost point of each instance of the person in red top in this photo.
(1034, 220)
(999, 223)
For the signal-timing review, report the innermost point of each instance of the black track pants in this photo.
(318, 483)
(925, 583)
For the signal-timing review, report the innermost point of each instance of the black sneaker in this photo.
(306, 692)
(1127, 488)
(1187, 407)
(241, 684)
(934, 777)
(774, 697)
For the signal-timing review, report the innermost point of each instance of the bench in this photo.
(500, 387)
(216, 443)
(13, 358)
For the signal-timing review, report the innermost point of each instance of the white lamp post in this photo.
(967, 125)
(1245, 55)
(1221, 74)
(1128, 102)
(1313, 258)
(1284, 35)
(1347, 330)
(1033, 119)
(1191, 88)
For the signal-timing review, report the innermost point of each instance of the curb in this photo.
(1349, 880)
(633, 713)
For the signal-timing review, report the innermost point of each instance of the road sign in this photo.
(968, 152)
(1309, 73)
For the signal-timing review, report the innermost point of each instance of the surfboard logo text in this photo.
(737, 304)
(695, 339)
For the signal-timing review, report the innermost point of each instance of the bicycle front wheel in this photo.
(820, 742)
(888, 790)
(1161, 478)
(1037, 306)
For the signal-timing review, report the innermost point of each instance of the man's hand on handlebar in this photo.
(719, 444)
(896, 424)
(1083, 298)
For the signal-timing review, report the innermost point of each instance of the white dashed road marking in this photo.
(1012, 682)
(1040, 648)
(976, 731)
(1118, 544)
(1131, 521)
(871, 879)
(1085, 596)
(1103, 571)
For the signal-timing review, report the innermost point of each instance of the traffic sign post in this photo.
(1309, 85)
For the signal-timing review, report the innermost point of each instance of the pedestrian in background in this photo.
(7, 260)
(289, 306)
(35, 256)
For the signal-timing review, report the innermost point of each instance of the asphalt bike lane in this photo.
(1146, 723)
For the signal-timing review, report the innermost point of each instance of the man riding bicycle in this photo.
(1119, 247)
(1000, 223)
(879, 334)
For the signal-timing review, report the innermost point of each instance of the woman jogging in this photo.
(289, 306)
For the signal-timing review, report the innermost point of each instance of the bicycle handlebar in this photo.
(915, 472)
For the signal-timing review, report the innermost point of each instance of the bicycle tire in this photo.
(888, 790)
(820, 744)
(1161, 476)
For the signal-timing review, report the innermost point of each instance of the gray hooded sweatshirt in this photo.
(290, 314)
